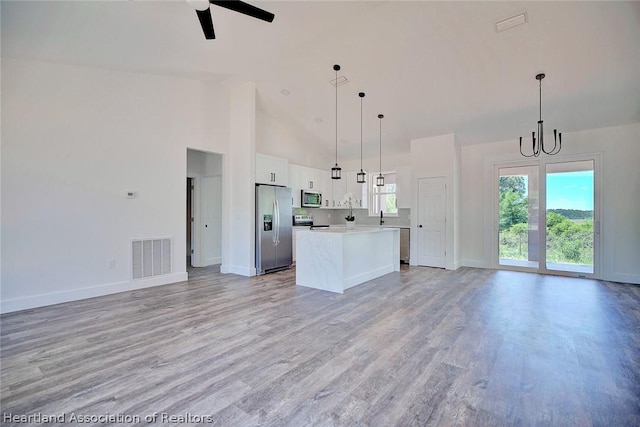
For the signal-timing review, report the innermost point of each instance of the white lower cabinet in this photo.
(293, 244)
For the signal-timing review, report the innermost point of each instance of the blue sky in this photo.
(570, 190)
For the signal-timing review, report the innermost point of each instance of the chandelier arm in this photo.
(521, 152)
(556, 147)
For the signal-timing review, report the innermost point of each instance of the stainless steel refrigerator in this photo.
(273, 228)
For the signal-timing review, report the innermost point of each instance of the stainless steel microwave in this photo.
(310, 199)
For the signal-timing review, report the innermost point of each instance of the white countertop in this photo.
(359, 229)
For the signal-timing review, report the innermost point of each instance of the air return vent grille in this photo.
(150, 257)
(511, 22)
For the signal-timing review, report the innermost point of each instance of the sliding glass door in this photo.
(570, 191)
(547, 216)
(518, 216)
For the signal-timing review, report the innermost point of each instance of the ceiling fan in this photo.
(204, 14)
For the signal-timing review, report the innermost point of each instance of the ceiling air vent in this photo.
(339, 81)
(511, 22)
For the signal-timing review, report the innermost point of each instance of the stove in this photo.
(302, 220)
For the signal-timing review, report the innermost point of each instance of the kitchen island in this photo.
(335, 259)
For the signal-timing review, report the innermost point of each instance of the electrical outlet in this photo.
(111, 263)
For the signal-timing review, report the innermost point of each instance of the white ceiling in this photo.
(431, 67)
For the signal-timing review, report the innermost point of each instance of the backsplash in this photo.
(336, 217)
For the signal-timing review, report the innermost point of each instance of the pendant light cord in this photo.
(380, 116)
(361, 96)
(336, 116)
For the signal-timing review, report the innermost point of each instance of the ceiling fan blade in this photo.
(245, 8)
(207, 23)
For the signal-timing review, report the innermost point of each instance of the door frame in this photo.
(541, 163)
(211, 164)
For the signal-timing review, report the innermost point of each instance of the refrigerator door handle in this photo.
(276, 223)
(278, 236)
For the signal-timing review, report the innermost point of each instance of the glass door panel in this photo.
(518, 235)
(570, 216)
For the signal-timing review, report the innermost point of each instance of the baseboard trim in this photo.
(239, 270)
(622, 278)
(452, 266)
(358, 279)
(25, 303)
(212, 261)
(476, 263)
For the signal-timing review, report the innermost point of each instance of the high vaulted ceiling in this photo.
(431, 67)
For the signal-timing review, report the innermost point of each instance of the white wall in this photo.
(73, 141)
(200, 163)
(288, 141)
(620, 150)
(371, 164)
(239, 189)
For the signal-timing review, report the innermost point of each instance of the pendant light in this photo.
(336, 171)
(361, 175)
(380, 178)
(557, 137)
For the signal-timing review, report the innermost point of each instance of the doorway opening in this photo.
(203, 208)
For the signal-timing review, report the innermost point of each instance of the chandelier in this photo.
(537, 145)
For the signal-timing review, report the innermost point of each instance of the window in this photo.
(383, 198)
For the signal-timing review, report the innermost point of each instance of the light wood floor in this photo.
(416, 347)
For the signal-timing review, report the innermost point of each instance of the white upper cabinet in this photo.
(310, 179)
(334, 190)
(294, 183)
(304, 178)
(327, 190)
(403, 188)
(359, 191)
(271, 170)
(339, 190)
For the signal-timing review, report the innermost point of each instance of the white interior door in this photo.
(432, 242)
(211, 196)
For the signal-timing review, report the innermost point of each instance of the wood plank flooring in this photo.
(419, 347)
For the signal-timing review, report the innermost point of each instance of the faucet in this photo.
(381, 218)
